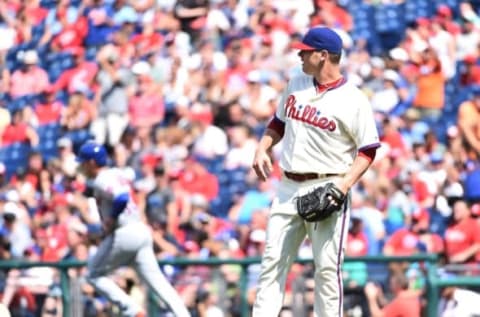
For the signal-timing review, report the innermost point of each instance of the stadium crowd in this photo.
(180, 91)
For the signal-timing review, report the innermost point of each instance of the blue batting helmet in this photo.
(93, 151)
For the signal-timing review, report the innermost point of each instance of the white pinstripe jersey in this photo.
(324, 130)
(109, 183)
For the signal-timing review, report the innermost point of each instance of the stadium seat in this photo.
(16, 156)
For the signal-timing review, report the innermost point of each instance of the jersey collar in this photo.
(329, 86)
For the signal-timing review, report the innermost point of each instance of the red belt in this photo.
(302, 177)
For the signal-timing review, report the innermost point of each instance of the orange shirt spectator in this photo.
(462, 238)
(30, 79)
(430, 82)
(405, 303)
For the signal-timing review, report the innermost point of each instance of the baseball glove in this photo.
(320, 203)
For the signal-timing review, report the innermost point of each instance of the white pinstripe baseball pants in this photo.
(285, 233)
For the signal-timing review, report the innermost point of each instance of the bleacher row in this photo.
(384, 25)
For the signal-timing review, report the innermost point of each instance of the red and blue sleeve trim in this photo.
(277, 125)
(368, 152)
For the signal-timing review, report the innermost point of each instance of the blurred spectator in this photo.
(19, 131)
(111, 95)
(147, 42)
(69, 31)
(67, 156)
(373, 222)
(160, 202)
(259, 97)
(443, 43)
(80, 76)
(387, 98)
(14, 229)
(405, 302)
(30, 79)
(462, 237)
(145, 107)
(48, 110)
(445, 17)
(78, 113)
(469, 123)
(64, 10)
(192, 16)
(373, 75)
(471, 182)
(327, 8)
(257, 197)
(146, 181)
(4, 74)
(196, 179)
(456, 301)
(209, 140)
(414, 238)
(241, 149)
(392, 136)
(470, 72)
(206, 304)
(467, 40)
(430, 97)
(99, 20)
(7, 29)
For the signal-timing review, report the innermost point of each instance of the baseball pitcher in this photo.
(329, 140)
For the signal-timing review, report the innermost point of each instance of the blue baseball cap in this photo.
(320, 38)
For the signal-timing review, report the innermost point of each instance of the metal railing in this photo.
(433, 282)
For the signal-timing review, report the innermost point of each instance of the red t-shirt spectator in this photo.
(197, 179)
(461, 236)
(49, 112)
(420, 190)
(406, 242)
(53, 241)
(402, 242)
(357, 244)
(81, 75)
(71, 36)
(15, 133)
(147, 42)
